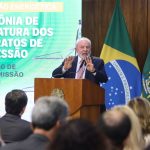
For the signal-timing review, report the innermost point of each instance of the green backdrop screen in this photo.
(34, 41)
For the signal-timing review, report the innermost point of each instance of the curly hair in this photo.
(141, 107)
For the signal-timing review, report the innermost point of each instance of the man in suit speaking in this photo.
(82, 66)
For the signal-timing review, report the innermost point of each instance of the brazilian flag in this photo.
(124, 77)
(146, 78)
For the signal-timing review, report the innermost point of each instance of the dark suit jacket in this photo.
(98, 64)
(13, 128)
(33, 142)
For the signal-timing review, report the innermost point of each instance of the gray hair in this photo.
(83, 39)
(47, 111)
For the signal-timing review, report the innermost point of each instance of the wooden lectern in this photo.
(83, 96)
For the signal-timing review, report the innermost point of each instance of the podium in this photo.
(83, 96)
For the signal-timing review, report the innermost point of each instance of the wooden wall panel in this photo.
(140, 30)
(96, 17)
(90, 22)
(106, 7)
(127, 8)
(135, 13)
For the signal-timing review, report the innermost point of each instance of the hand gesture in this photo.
(89, 64)
(68, 62)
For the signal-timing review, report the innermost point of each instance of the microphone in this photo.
(61, 75)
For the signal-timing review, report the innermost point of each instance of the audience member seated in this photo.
(12, 127)
(48, 114)
(115, 126)
(141, 107)
(135, 140)
(78, 134)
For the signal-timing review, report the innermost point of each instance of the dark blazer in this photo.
(13, 128)
(33, 142)
(98, 64)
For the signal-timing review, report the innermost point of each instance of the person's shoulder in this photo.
(11, 146)
(75, 58)
(24, 124)
(3, 119)
(97, 58)
(94, 57)
(25, 121)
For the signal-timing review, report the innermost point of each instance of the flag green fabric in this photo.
(146, 78)
(120, 63)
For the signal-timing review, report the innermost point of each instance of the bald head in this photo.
(115, 125)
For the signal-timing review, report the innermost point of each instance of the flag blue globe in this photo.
(122, 85)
